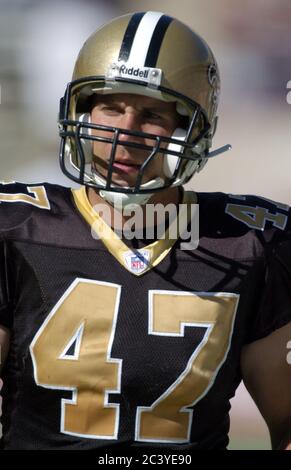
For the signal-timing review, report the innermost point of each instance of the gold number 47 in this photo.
(86, 317)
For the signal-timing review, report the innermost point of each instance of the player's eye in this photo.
(111, 110)
(152, 115)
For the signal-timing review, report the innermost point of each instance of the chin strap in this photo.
(121, 201)
(127, 201)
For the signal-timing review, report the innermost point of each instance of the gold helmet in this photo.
(148, 54)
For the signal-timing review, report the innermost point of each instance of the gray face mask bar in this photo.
(76, 132)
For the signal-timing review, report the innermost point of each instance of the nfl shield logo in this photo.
(137, 261)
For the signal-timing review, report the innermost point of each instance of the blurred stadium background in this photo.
(39, 41)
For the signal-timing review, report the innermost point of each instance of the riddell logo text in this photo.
(135, 72)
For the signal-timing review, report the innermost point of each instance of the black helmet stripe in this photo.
(143, 38)
(129, 36)
(157, 39)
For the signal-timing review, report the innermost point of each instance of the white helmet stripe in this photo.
(129, 36)
(143, 37)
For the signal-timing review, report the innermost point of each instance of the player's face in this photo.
(133, 113)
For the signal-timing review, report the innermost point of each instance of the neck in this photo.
(117, 219)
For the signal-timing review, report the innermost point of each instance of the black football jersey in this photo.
(133, 346)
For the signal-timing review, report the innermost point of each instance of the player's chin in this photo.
(131, 180)
(125, 180)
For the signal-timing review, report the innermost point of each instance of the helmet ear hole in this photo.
(171, 161)
(85, 117)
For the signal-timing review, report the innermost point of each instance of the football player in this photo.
(111, 341)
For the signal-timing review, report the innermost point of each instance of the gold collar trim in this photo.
(136, 261)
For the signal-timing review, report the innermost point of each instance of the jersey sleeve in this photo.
(275, 300)
(5, 303)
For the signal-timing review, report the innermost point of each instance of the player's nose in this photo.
(131, 122)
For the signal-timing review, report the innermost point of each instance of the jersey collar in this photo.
(136, 261)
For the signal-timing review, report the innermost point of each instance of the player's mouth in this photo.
(126, 167)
